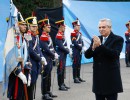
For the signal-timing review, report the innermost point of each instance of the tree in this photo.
(26, 7)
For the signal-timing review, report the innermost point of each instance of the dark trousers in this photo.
(127, 54)
(46, 77)
(15, 85)
(45, 83)
(60, 76)
(106, 97)
(61, 71)
(76, 66)
(31, 91)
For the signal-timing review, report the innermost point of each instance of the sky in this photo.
(90, 13)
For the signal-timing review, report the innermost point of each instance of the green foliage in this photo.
(26, 7)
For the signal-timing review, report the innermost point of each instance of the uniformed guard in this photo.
(62, 50)
(77, 44)
(127, 53)
(50, 54)
(21, 74)
(35, 53)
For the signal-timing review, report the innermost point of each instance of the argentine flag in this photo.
(11, 51)
(69, 18)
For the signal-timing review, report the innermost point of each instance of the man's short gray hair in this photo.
(109, 23)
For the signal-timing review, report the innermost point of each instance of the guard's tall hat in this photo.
(127, 24)
(60, 22)
(32, 21)
(20, 19)
(76, 22)
(44, 22)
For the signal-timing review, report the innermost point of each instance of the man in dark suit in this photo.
(105, 51)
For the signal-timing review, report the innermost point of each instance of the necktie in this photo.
(104, 40)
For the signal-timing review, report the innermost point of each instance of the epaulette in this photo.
(43, 37)
(73, 34)
(59, 36)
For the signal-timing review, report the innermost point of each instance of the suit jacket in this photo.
(106, 65)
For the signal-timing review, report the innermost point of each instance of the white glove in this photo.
(29, 80)
(80, 44)
(84, 49)
(56, 56)
(44, 60)
(22, 77)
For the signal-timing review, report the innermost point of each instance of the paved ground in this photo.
(82, 91)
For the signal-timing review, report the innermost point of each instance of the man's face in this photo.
(128, 27)
(47, 29)
(104, 29)
(77, 27)
(62, 28)
(23, 28)
(34, 29)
